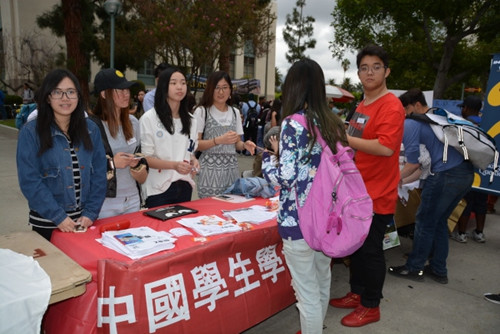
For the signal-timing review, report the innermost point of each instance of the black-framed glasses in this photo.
(375, 68)
(70, 94)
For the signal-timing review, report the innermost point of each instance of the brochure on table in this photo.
(138, 242)
(142, 241)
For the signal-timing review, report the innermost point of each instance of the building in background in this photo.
(19, 32)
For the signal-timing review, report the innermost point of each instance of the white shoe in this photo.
(479, 237)
(492, 297)
(462, 238)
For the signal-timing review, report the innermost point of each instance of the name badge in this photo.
(131, 141)
(361, 121)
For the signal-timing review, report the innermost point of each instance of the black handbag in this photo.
(111, 170)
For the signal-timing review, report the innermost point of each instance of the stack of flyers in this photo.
(209, 225)
(138, 242)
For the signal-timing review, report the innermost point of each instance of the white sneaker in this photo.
(492, 297)
(459, 237)
(479, 237)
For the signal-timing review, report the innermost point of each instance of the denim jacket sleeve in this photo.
(98, 181)
(31, 174)
(46, 181)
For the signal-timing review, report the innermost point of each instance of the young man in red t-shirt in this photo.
(375, 132)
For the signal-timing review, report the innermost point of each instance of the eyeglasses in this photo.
(70, 94)
(375, 68)
(222, 88)
(123, 92)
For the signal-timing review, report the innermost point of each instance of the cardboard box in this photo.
(67, 277)
(405, 215)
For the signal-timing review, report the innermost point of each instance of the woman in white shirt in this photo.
(219, 135)
(168, 140)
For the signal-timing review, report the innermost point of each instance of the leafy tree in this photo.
(346, 63)
(191, 34)
(297, 33)
(432, 44)
(331, 82)
(197, 34)
(278, 79)
(37, 55)
(74, 19)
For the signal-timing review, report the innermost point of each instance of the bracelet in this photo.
(138, 168)
(143, 164)
(215, 144)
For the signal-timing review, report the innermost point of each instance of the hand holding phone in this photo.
(80, 229)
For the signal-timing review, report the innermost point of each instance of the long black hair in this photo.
(77, 130)
(162, 107)
(304, 89)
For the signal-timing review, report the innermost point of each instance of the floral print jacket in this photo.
(294, 173)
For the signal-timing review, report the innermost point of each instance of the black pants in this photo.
(178, 192)
(250, 134)
(368, 264)
(44, 232)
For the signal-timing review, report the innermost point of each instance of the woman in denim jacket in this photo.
(61, 163)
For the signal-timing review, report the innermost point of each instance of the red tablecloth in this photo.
(223, 285)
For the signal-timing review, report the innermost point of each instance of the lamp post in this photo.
(112, 7)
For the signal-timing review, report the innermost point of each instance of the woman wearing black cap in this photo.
(121, 131)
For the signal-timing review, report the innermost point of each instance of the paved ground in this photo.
(407, 306)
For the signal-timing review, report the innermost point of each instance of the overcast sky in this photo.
(323, 33)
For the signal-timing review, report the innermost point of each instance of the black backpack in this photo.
(252, 120)
(264, 115)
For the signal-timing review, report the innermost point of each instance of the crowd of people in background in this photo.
(76, 164)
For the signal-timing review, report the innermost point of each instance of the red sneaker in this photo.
(361, 316)
(351, 300)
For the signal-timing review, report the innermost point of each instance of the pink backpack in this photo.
(337, 213)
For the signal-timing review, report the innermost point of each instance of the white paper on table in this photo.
(138, 242)
(180, 232)
(209, 225)
(255, 214)
(231, 198)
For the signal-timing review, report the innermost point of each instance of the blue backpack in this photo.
(23, 114)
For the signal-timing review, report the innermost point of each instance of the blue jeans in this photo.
(3, 112)
(440, 195)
